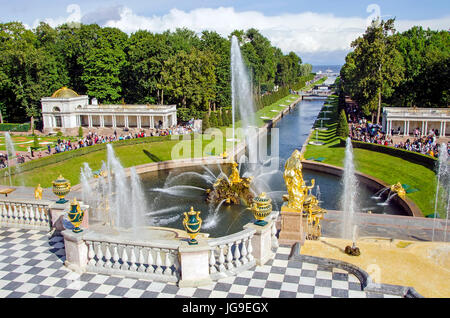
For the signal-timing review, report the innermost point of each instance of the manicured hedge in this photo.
(411, 156)
(14, 127)
(62, 156)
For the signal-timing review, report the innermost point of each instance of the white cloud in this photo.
(300, 32)
(306, 33)
(74, 17)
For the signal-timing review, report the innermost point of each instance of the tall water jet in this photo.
(11, 153)
(241, 90)
(443, 177)
(349, 193)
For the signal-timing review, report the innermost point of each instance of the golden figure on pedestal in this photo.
(294, 181)
(38, 192)
(299, 198)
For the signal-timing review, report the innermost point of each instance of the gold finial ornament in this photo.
(38, 192)
(75, 216)
(261, 208)
(61, 187)
(192, 224)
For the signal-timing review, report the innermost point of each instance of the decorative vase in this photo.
(192, 224)
(61, 187)
(75, 215)
(261, 208)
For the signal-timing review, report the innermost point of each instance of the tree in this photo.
(205, 122)
(342, 128)
(225, 121)
(190, 78)
(377, 66)
(213, 119)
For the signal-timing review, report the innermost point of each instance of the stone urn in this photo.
(192, 224)
(61, 187)
(261, 209)
(75, 215)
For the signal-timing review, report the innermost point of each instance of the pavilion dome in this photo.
(64, 92)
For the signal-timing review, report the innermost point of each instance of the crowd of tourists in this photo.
(361, 130)
(92, 138)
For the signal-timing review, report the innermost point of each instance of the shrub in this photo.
(205, 122)
(80, 132)
(213, 120)
(342, 128)
(14, 127)
(224, 118)
(219, 119)
(36, 142)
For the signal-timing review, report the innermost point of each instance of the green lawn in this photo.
(382, 166)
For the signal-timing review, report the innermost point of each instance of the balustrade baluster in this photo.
(15, 214)
(116, 258)
(237, 254)
(31, 215)
(221, 258)
(150, 268)
(26, 214)
(176, 264)
(168, 263)
(244, 259)
(133, 266)
(250, 249)
(108, 263)
(159, 269)
(20, 215)
(44, 220)
(3, 213)
(125, 265)
(100, 261)
(141, 261)
(91, 253)
(212, 262)
(274, 235)
(10, 214)
(229, 257)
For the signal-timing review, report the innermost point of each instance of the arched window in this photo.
(56, 109)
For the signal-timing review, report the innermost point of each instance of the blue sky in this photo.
(318, 31)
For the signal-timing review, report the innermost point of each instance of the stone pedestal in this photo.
(291, 226)
(76, 251)
(194, 261)
(261, 242)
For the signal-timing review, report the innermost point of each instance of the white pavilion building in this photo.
(66, 111)
(409, 119)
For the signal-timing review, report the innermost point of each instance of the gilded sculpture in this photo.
(38, 192)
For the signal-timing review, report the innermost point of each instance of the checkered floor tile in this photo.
(32, 265)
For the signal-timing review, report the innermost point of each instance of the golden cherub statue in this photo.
(38, 192)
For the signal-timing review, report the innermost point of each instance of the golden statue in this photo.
(38, 192)
(294, 181)
(234, 176)
(397, 188)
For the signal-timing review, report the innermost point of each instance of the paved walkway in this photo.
(32, 265)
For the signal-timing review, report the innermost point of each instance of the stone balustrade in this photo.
(231, 254)
(149, 260)
(30, 214)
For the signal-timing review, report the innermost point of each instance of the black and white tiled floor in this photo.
(32, 265)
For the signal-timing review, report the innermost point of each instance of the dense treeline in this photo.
(180, 67)
(398, 69)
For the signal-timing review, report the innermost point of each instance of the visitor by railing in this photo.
(26, 214)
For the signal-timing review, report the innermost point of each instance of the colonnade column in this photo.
(90, 121)
(102, 121)
(152, 122)
(126, 121)
(114, 121)
(138, 122)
